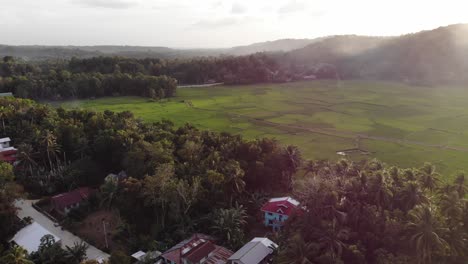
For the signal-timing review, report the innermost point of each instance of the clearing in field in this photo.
(396, 123)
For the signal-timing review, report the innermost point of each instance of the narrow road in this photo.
(67, 238)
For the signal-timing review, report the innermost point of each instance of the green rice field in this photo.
(396, 123)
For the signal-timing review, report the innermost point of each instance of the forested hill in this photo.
(37, 52)
(435, 56)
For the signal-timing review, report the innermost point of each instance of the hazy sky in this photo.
(214, 23)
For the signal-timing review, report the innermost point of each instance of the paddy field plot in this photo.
(399, 124)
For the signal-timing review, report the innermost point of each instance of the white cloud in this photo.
(238, 8)
(292, 6)
(116, 4)
(214, 23)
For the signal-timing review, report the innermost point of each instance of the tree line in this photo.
(54, 81)
(180, 179)
(183, 180)
(367, 212)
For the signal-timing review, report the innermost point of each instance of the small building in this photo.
(278, 210)
(30, 236)
(198, 249)
(7, 152)
(8, 94)
(258, 250)
(146, 257)
(310, 77)
(64, 202)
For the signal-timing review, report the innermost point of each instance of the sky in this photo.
(214, 23)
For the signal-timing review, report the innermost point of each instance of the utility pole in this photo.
(105, 233)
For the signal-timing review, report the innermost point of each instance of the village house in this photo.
(147, 257)
(30, 236)
(258, 251)
(278, 210)
(198, 249)
(64, 202)
(7, 152)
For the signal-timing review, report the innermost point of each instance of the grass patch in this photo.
(429, 115)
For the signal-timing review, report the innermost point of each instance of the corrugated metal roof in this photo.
(6, 94)
(5, 139)
(283, 205)
(29, 237)
(254, 251)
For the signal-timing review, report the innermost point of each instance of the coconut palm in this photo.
(460, 184)
(108, 191)
(425, 233)
(49, 141)
(25, 152)
(310, 167)
(293, 158)
(77, 253)
(331, 240)
(229, 225)
(428, 177)
(16, 255)
(379, 191)
(457, 239)
(412, 195)
(297, 251)
(235, 182)
(451, 206)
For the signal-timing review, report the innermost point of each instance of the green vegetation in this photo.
(408, 124)
(185, 180)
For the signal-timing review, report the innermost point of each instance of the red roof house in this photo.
(278, 210)
(7, 153)
(197, 249)
(64, 202)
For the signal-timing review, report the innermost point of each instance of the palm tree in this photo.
(229, 225)
(425, 233)
(428, 177)
(381, 195)
(297, 251)
(451, 207)
(331, 240)
(77, 253)
(293, 158)
(460, 184)
(235, 181)
(49, 141)
(25, 152)
(108, 191)
(412, 195)
(16, 255)
(310, 167)
(457, 240)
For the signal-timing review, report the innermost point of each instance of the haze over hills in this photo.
(439, 55)
(433, 56)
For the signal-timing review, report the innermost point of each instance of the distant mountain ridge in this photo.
(431, 56)
(438, 55)
(36, 52)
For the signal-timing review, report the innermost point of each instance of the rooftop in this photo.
(30, 236)
(66, 199)
(175, 253)
(282, 205)
(254, 251)
(6, 139)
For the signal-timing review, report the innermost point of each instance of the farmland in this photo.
(396, 123)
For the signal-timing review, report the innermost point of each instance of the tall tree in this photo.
(16, 255)
(425, 234)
